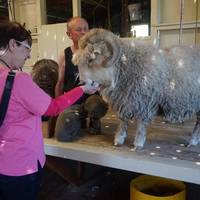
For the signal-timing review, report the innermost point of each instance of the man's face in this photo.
(77, 29)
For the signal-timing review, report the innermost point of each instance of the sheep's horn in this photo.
(97, 51)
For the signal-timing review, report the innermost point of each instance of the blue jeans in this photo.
(20, 187)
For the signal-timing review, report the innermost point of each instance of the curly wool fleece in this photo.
(140, 80)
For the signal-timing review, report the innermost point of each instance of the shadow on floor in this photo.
(98, 183)
(106, 184)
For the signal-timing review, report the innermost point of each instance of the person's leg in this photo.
(83, 117)
(95, 126)
(20, 187)
(96, 108)
(68, 124)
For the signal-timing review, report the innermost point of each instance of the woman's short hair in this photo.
(13, 30)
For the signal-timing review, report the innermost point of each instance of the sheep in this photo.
(141, 81)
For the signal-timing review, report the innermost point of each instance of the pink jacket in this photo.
(21, 141)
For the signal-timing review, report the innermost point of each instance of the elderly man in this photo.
(70, 122)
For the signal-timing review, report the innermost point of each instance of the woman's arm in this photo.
(62, 102)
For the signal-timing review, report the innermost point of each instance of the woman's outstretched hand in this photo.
(90, 88)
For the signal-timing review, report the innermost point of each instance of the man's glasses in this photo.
(24, 44)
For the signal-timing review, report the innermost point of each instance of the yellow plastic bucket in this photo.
(147, 187)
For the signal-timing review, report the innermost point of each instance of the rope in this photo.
(181, 21)
(196, 22)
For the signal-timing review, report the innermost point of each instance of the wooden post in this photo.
(125, 27)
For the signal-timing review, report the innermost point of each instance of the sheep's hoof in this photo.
(116, 144)
(119, 141)
(192, 142)
(136, 148)
(133, 149)
(187, 144)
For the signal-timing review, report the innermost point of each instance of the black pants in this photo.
(20, 187)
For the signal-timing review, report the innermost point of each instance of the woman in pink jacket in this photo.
(21, 144)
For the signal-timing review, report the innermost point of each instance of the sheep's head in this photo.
(98, 50)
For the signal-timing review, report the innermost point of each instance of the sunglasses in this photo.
(24, 44)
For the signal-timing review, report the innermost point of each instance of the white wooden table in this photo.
(163, 155)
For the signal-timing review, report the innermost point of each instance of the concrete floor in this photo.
(100, 183)
(107, 184)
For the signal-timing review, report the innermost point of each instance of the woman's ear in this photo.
(12, 45)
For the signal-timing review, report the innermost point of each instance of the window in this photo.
(139, 16)
(103, 14)
(4, 10)
(140, 30)
(119, 16)
(58, 11)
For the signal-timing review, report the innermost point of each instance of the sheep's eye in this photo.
(96, 53)
(90, 60)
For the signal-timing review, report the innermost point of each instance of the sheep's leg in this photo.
(140, 136)
(121, 133)
(195, 138)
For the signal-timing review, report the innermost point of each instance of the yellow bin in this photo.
(147, 187)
